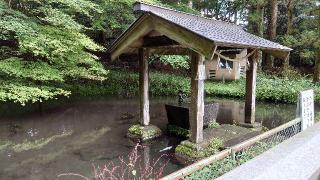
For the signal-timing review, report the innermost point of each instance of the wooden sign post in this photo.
(305, 109)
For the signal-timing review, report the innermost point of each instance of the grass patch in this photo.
(227, 164)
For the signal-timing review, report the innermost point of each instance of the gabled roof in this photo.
(212, 32)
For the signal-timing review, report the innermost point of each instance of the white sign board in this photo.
(306, 108)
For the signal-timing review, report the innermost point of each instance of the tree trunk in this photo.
(272, 30)
(255, 26)
(316, 74)
(290, 5)
(260, 25)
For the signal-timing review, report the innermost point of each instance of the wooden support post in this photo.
(144, 86)
(196, 110)
(251, 76)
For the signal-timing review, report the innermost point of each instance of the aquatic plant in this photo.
(4, 144)
(37, 144)
(78, 142)
(131, 167)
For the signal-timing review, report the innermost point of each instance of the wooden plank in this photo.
(196, 111)
(251, 76)
(144, 86)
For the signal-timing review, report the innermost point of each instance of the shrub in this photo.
(126, 83)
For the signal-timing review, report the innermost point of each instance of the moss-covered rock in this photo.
(143, 133)
(191, 151)
(214, 124)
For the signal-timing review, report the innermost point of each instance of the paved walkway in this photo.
(295, 159)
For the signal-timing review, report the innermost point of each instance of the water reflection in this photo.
(73, 136)
(270, 115)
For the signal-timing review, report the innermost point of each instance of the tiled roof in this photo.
(221, 33)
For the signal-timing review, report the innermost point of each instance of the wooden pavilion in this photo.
(168, 32)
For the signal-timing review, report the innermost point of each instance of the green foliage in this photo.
(304, 39)
(273, 89)
(213, 125)
(117, 15)
(214, 146)
(176, 61)
(38, 71)
(222, 9)
(44, 45)
(127, 84)
(269, 88)
(23, 92)
(187, 151)
(178, 131)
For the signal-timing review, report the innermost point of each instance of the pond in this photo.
(76, 135)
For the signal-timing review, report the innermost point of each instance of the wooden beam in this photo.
(144, 86)
(196, 111)
(251, 76)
